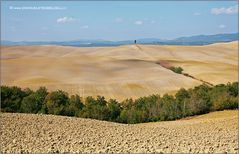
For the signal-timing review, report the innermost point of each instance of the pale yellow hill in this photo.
(117, 72)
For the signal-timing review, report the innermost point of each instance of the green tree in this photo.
(123, 118)
(74, 106)
(181, 100)
(168, 108)
(233, 88)
(95, 108)
(131, 116)
(11, 98)
(56, 101)
(28, 91)
(178, 70)
(30, 104)
(152, 107)
(224, 97)
(199, 101)
(114, 110)
(41, 94)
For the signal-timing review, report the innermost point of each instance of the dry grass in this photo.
(117, 72)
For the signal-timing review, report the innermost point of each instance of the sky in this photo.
(119, 20)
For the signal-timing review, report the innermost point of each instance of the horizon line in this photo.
(81, 39)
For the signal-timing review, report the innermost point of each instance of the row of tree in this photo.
(199, 100)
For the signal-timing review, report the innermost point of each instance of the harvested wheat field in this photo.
(121, 72)
(210, 133)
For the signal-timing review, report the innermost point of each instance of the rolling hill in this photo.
(118, 72)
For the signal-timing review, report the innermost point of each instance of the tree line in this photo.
(186, 102)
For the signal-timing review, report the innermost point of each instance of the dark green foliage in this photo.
(95, 108)
(199, 100)
(27, 91)
(74, 106)
(178, 70)
(141, 110)
(56, 102)
(233, 88)
(224, 96)
(125, 113)
(41, 94)
(168, 108)
(34, 101)
(11, 98)
(181, 99)
(30, 104)
(114, 110)
(131, 116)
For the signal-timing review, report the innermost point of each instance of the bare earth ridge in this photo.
(121, 72)
(210, 133)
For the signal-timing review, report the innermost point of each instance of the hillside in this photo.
(118, 72)
(215, 133)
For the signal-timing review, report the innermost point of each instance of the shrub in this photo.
(178, 70)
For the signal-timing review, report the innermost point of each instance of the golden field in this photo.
(121, 72)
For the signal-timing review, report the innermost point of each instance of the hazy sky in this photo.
(120, 20)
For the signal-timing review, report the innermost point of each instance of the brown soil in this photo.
(211, 133)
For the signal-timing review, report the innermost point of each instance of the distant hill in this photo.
(191, 40)
(205, 39)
